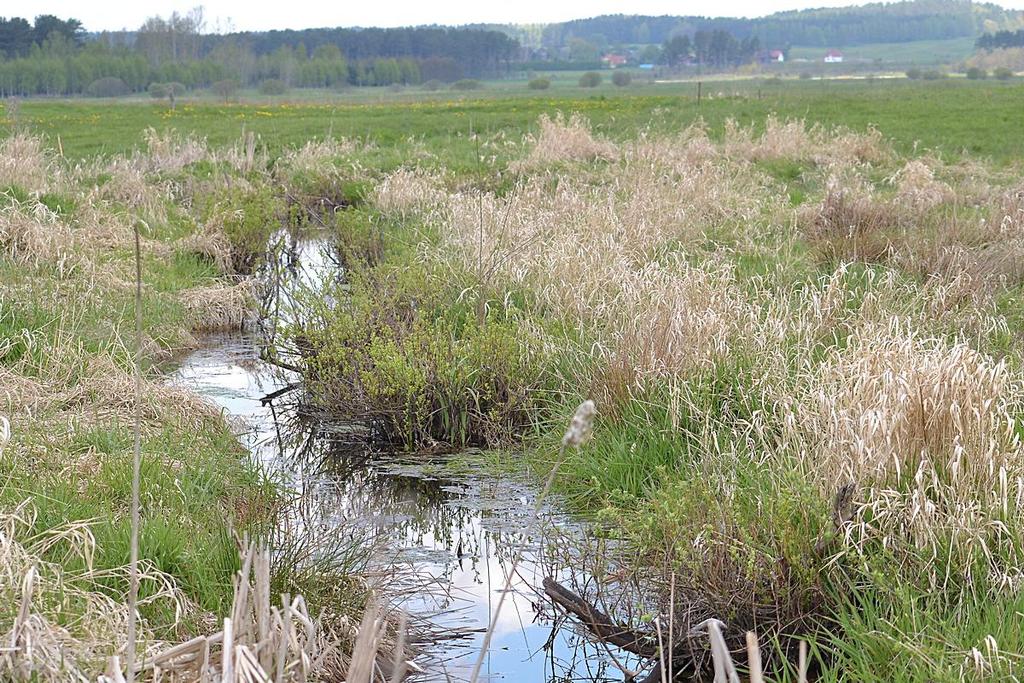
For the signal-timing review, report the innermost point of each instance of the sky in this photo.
(249, 15)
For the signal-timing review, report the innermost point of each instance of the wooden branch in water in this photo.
(269, 398)
(599, 623)
(284, 365)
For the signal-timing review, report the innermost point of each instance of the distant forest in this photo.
(1000, 39)
(52, 56)
(897, 22)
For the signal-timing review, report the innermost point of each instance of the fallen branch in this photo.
(600, 624)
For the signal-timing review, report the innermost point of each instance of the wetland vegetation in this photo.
(798, 316)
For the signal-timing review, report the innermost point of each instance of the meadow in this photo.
(950, 117)
(796, 307)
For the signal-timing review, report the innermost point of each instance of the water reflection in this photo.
(445, 541)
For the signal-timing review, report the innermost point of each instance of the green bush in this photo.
(805, 76)
(591, 79)
(248, 219)
(913, 73)
(467, 84)
(976, 74)
(1003, 73)
(107, 87)
(622, 78)
(419, 369)
(539, 84)
(273, 86)
(432, 85)
(933, 75)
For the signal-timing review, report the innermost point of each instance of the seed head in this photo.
(5, 432)
(581, 424)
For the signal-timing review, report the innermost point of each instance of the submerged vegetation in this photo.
(802, 340)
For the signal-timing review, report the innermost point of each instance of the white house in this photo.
(833, 57)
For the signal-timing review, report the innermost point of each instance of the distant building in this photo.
(776, 56)
(833, 57)
(614, 60)
(647, 67)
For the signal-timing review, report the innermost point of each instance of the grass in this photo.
(850, 347)
(950, 117)
(767, 298)
(66, 364)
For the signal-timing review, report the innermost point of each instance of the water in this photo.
(447, 540)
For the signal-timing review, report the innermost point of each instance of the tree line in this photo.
(894, 22)
(717, 49)
(53, 57)
(1000, 39)
(18, 36)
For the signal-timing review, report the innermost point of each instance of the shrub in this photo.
(933, 75)
(273, 86)
(432, 85)
(539, 84)
(225, 88)
(420, 370)
(108, 87)
(805, 76)
(622, 78)
(913, 73)
(467, 84)
(976, 74)
(1003, 73)
(591, 79)
(247, 219)
(158, 91)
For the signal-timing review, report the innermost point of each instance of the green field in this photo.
(797, 305)
(951, 118)
(922, 52)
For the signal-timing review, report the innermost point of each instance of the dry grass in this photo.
(406, 192)
(219, 308)
(169, 152)
(793, 140)
(610, 252)
(211, 245)
(31, 233)
(561, 140)
(129, 186)
(261, 642)
(922, 422)
(851, 224)
(928, 429)
(317, 156)
(47, 641)
(917, 186)
(25, 163)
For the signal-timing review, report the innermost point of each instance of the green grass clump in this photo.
(247, 218)
(396, 352)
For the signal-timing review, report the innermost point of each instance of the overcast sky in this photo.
(256, 15)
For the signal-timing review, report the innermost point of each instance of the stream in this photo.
(443, 537)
